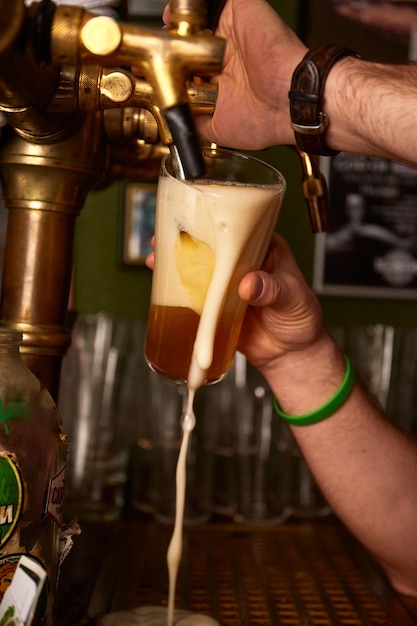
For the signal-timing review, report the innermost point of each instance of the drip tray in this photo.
(301, 574)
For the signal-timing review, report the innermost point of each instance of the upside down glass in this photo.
(208, 234)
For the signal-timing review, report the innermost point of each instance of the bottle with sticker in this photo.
(33, 450)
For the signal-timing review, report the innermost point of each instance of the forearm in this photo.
(372, 109)
(366, 468)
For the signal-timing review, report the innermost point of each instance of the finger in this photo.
(165, 15)
(150, 260)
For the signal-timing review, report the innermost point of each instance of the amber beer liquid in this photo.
(171, 350)
(208, 235)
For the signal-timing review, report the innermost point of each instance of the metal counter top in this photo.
(296, 574)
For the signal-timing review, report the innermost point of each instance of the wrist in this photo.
(329, 408)
(344, 82)
(304, 380)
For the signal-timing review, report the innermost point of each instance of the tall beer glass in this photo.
(208, 234)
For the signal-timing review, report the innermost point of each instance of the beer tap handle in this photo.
(189, 16)
(187, 146)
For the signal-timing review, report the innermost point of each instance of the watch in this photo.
(308, 120)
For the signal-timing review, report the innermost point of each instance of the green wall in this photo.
(102, 282)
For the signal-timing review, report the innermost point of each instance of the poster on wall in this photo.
(370, 249)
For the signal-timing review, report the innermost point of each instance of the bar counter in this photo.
(296, 574)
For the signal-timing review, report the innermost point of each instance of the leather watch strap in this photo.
(307, 117)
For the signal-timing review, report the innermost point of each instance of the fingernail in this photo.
(257, 287)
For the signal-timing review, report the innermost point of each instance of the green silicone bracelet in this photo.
(327, 409)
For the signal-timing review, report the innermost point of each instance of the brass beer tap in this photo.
(75, 117)
(166, 58)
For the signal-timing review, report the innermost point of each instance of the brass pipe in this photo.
(35, 289)
(45, 185)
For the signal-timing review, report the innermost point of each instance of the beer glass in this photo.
(208, 234)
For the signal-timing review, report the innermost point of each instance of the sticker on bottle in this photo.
(11, 496)
(55, 500)
(21, 597)
(8, 566)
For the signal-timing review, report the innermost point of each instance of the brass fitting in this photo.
(167, 59)
(315, 191)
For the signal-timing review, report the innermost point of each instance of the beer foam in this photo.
(218, 216)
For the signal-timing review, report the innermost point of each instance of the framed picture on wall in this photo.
(139, 222)
(370, 249)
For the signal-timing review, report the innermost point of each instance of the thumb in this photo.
(260, 289)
